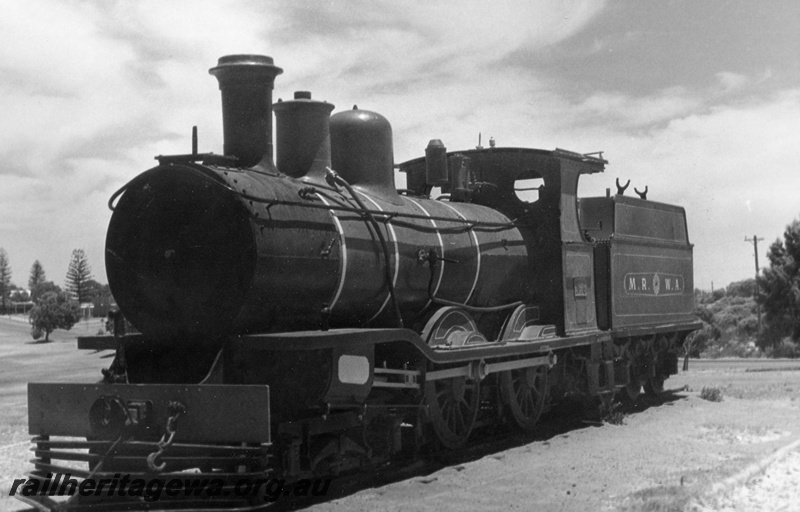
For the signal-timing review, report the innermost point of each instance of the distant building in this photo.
(86, 310)
(19, 308)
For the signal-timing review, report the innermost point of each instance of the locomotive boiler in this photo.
(302, 316)
(195, 249)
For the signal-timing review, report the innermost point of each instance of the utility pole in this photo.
(755, 241)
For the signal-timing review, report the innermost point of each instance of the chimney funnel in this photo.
(246, 83)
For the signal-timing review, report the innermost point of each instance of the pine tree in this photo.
(78, 274)
(5, 278)
(780, 287)
(37, 275)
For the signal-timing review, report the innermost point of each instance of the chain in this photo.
(175, 409)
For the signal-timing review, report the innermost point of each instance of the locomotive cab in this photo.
(560, 258)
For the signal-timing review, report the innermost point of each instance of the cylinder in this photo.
(302, 135)
(246, 83)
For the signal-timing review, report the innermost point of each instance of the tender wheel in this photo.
(452, 407)
(525, 392)
(654, 385)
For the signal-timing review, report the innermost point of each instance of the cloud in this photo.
(730, 81)
(91, 91)
(637, 112)
(732, 166)
(381, 44)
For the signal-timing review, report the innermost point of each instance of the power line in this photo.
(755, 241)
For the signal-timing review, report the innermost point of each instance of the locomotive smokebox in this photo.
(302, 134)
(246, 83)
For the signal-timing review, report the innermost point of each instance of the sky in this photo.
(698, 101)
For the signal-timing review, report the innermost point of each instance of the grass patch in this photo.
(712, 394)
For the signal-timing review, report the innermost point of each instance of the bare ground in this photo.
(665, 455)
(774, 490)
(663, 458)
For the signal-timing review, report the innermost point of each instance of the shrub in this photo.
(711, 394)
(786, 348)
(614, 416)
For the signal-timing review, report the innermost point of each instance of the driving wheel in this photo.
(453, 405)
(524, 390)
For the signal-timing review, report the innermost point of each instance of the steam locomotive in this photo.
(303, 317)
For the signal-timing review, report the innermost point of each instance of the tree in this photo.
(779, 287)
(699, 340)
(5, 278)
(95, 289)
(53, 311)
(20, 295)
(37, 275)
(78, 273)
(744, 288)
(42, 288)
